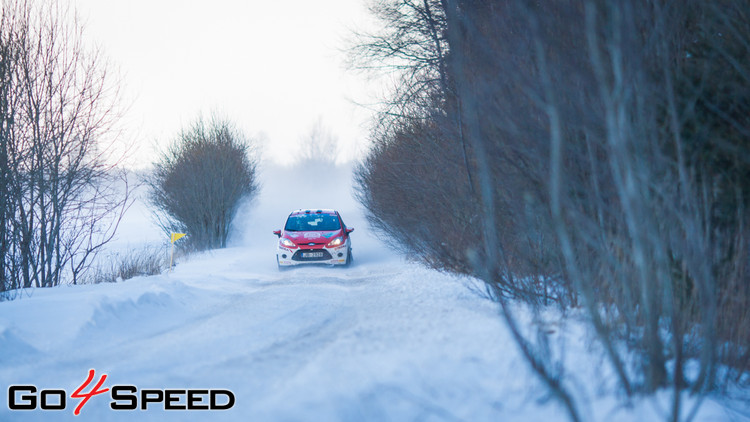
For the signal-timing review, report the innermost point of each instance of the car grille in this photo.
(322, 255)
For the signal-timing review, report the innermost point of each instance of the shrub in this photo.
(144, 262)
(198, 182)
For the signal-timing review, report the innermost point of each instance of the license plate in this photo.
(312, 254)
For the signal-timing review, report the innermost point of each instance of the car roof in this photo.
(313, 211)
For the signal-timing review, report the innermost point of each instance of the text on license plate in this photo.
(312, 254)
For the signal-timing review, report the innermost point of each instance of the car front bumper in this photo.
(288, 257)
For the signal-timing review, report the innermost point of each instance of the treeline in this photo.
(59, 198)
(583, 153)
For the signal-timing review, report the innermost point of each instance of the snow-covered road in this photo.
(384, 340)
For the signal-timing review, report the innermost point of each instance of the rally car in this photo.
(314, 236)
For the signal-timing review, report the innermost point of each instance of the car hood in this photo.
(317, 237)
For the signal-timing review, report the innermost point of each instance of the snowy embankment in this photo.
(383, 340)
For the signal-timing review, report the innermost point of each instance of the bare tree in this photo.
(319, 146)
(200, 179)
(7, 59)
(411, 47)
(60, 180)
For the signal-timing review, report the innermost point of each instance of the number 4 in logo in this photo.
(86, 396)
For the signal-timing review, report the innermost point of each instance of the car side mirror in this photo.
(349, 230)
(277, 233)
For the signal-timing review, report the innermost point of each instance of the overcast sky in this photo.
(273, 67)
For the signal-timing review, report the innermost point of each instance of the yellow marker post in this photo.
(173, 238)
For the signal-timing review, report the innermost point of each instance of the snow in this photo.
(385, 339)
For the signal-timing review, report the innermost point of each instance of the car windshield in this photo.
(306, 222)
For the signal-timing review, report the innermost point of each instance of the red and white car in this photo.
(313, 236)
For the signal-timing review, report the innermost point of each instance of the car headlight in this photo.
(288, 243)
(335, 242)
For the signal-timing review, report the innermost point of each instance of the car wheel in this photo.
(279, 265)
(349, 258)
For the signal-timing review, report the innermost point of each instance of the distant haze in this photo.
(274, 68)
